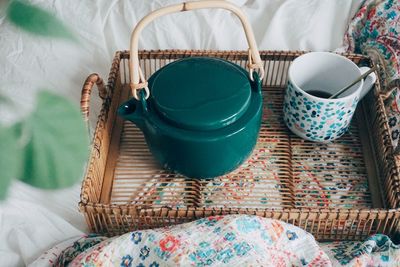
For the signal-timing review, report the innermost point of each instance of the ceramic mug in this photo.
(313, 77)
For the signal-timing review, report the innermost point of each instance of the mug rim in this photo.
(352, 95)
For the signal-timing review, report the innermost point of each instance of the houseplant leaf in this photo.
(36, 20)
(58, 143)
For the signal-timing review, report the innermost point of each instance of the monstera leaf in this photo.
(10, 157)
(36, 20)
(57, 146)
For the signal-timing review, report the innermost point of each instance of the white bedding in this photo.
(33, 220)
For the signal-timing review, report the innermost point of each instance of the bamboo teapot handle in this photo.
(137, 78)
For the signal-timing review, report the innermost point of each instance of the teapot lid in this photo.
(200, 93)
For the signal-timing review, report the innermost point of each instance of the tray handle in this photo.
(137, 78)
(92, 79)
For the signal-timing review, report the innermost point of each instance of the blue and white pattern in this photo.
(317, 119)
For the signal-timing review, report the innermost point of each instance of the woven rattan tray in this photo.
(346, 190)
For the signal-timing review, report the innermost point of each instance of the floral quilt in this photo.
(231, 240)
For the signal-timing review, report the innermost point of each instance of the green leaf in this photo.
(10, 156)
(36, 20)
(58, 145)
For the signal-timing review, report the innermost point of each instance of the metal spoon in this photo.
(353, 83)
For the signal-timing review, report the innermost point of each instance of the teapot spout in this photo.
(132, 110)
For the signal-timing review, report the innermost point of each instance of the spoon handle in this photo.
(353, 83)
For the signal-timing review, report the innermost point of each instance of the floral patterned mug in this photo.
(313, 77)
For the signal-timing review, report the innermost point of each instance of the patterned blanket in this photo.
(374, 31)
(232, 240)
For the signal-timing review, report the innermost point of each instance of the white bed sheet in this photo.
(33, 220)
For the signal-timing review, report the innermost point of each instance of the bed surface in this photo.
(34, 220)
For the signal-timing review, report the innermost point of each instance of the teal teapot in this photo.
(200, 116)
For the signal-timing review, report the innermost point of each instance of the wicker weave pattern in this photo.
(345, 190)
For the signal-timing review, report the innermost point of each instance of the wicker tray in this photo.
(346, 190)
